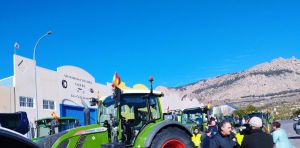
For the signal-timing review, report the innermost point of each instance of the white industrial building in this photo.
(40, 91)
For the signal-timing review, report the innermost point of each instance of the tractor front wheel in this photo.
(172, 137)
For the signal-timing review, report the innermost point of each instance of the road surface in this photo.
(287, 125)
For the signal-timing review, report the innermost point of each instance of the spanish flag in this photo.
(55, 116)
(209, 105)
(116, 80)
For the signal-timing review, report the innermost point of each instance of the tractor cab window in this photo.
(188, 118)
(106, 112)
(43, 127)
(132, 107)
(134, 113)
(67, 124)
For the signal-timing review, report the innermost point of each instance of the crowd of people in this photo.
(250, 135)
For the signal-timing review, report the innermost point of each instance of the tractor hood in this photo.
(69, 137)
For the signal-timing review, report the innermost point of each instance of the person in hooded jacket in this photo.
(257, 138)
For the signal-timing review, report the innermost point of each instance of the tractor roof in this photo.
(60, 118)
(140, 91)
(136, 91)
(193, 110)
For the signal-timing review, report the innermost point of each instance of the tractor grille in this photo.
(48, 141)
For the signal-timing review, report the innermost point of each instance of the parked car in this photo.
(297, 127)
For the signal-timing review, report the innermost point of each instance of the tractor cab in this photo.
(194, 117)
(50, 126)
(174, 115)
(135, 110)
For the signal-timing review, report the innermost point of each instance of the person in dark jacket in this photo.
(212, 126)
(257, 138)
(206, 139)
(224, 138)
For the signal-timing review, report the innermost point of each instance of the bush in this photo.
(244, 111)
(296, 113)
(251, 109)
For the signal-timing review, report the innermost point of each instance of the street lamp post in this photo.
(35, 75)
(16, 46)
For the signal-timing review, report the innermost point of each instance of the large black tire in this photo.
(172, 133)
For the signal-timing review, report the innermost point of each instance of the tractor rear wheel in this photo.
(172, 137)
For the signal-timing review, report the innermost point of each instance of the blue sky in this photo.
(178, 42)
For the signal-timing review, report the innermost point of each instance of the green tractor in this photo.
(49, 126)
(128, 118)
(194, 117)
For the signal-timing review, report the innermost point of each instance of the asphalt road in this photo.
(287, 125)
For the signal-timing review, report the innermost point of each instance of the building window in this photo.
(47, 104)
(26, 102)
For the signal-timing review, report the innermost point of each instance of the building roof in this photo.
(232, 106)
(7, 81)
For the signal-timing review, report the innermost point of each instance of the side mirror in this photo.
(117, 96)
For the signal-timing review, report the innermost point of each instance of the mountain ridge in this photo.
(263, 85)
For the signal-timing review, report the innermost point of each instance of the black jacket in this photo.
(213, 129)
(205, 142)
(220, 141)
(257, 139)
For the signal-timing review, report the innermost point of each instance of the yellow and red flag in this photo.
(209, 105)
(116, 80)
(55, 116)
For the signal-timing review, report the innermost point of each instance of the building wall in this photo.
(103, 90)
(48, 86)
(69, 87)
(24, 84)
(7, 99)
(78, 87)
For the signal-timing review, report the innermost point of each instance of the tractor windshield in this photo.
(193, 115)
(44, 126)
(192, 118)
(133, 109)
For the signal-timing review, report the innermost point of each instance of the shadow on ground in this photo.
(294, 137)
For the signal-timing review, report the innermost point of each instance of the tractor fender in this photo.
(162, 125)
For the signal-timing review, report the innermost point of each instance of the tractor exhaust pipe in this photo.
(86, 113)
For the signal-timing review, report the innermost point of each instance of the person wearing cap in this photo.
(206, 139)
(280, 137)
(257, 138)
